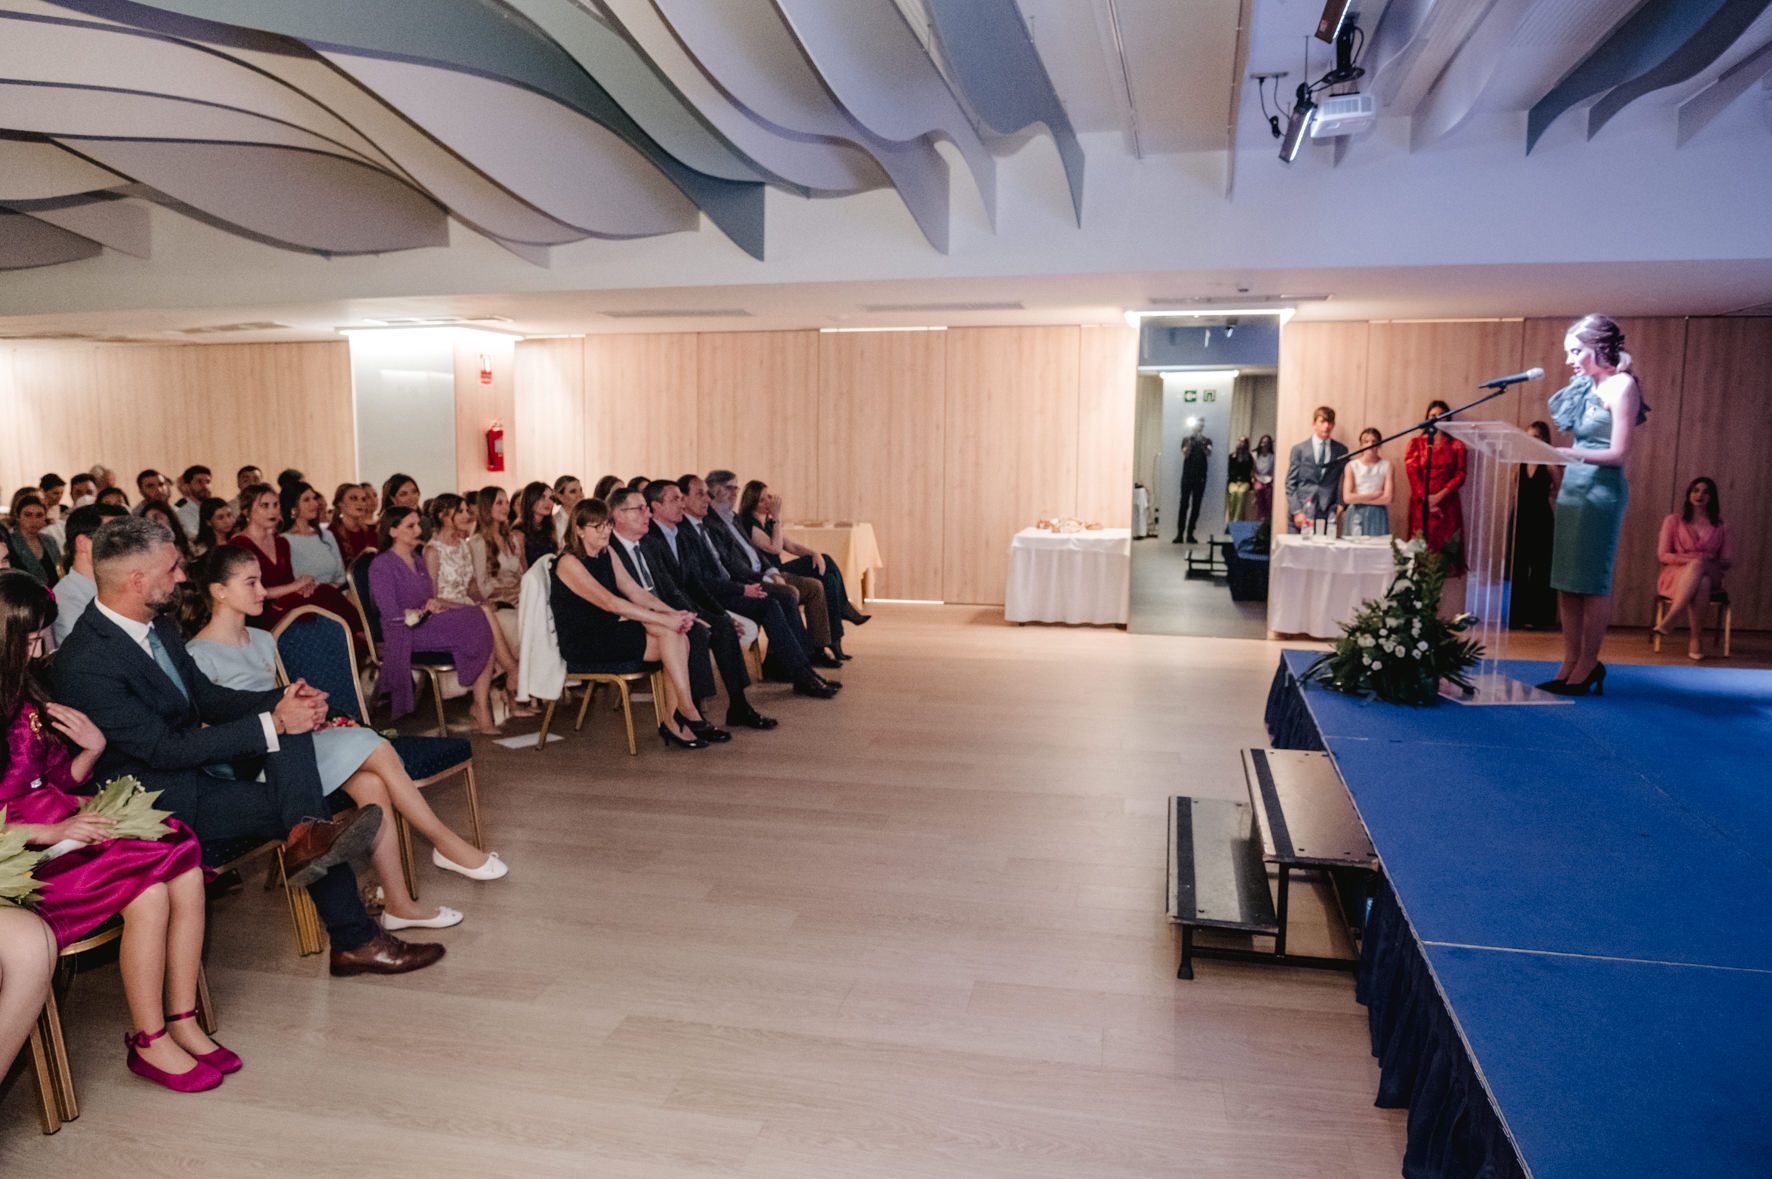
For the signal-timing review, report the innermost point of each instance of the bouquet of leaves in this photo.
(124, 801)
(1398, 648)
(17, 887)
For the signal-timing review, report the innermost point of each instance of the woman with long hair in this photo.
(215, 525)
(605, 485)
(156, 884)
(313, 550)
(1602, 406)
(159, 509)
(353, 522)
(602, 615)
(357, 760)
(32, 551)
(260, 513)
(1438, 482)
(451, 567)
(1264, 477)
(534, 521)
(1695, 552)
(496, 551)
(1239, 479)
(413, 619)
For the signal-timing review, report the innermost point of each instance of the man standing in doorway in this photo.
(1196, 449)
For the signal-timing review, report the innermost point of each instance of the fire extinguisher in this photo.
(495, 447)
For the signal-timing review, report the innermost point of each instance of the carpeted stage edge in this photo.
(1568, 966)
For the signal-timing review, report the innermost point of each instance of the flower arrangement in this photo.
(1398, 648)
(17, 887)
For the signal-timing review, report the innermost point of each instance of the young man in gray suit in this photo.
(1313, 485)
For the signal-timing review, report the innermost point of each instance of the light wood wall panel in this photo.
(1107, 389)
(1011, 444)
(549, 411)
(1725, 431)
(168, 407)
(758, 412)
(881, 414)
(641, 406)
(478, 405)
(1320, 364)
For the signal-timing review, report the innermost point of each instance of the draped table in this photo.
(1082, 578)
(856, 550)
(1316, 584)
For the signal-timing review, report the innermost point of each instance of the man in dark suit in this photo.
(1313, 474)
(789, 656)
(203, 746)
(745, 563)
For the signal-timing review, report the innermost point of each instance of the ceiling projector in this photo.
(1344, 114)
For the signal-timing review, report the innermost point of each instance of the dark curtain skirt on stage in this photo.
(1454, 1131)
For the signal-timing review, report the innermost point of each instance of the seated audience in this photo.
(52, 488)
(193, 489)
(401, 491)
(114, 495)
(602, 615)
(605, 485)
(30, 550)
(496, 551)
(1695, 552)
(77, 588)
(216, 525)
(157, 885)
(27, 960)
(760, 511)
(747, 564)
(357, 760)
(152, 489)
(534, 522)
(638, 483)
(1313, 491)
(567, 492)
(206, 748)
(373, 503)
(353, 523)
(159, 509)
(313, 550)
(83, 490)
(284, 590)
(103, 477)
(790, 649)
(288, 476)
(414, 619)
(1366, 488)
(247, 476)
(451, 567)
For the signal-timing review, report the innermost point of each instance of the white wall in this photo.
(403, 387)
(1215, 414)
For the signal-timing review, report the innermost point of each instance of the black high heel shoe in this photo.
(672, 741)
(1595, 682)
(855, 617)
(701, 729)
(1556, 685)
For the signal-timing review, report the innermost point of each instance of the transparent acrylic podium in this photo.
(1493, 454)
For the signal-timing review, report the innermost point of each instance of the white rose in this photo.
(1376, 665)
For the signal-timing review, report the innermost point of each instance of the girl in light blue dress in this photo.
(357, 760)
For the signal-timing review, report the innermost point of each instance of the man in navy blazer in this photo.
(1313, 474)
(231, 765)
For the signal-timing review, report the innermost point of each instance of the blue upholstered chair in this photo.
(433, 664)
(315, 645)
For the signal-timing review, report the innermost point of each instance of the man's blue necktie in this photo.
(164, 659)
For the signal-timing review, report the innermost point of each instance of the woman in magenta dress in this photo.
(260, 516)
(398, 583)
(1695, 553)
(157, 885)
(1445, 511)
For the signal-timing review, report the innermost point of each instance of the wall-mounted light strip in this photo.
(1192, 370)
(1137, 318)
(882, 329)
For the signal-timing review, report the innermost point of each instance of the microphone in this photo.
(1531, 374)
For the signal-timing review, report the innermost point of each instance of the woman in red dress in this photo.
(1445, 513)
(157, 885)
(353, 524)
(284, 591)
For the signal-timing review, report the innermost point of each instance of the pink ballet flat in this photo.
(195, 1079)
(221, 1060)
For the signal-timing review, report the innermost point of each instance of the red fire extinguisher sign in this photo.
(486, 373)
(495, 446)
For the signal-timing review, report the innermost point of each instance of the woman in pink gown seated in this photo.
(1695, 553)
(157, 885)
(399, 583)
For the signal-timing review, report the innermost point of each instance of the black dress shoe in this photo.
(816, 691)
(827, 682)
(856, 618)
(751, 719)
(820, 659)
(672, 741)
(844, 656)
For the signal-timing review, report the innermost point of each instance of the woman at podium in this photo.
(1602, 407)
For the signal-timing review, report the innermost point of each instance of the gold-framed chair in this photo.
(1722, 621)
(57, 1101)
(314, 644)
(433, 666)
(619, 676)
(304, 919)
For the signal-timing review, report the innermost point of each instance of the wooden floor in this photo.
(917, 931)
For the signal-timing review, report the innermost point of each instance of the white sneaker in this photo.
(445, 918)
(492, 869)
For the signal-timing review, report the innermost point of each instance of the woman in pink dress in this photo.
(399, 582)
(157, 885)
(1695, 553)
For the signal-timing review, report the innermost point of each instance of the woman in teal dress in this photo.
(1602, 407)
(356, 760)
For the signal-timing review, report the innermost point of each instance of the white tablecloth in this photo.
(853, 545)
(1076, 577)
(1314, 585)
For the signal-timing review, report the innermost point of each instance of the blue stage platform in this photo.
(1569, 963)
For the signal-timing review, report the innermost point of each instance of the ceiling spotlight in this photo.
(1299, 124)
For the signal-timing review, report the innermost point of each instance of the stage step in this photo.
(1304, 812)
(1217, 877)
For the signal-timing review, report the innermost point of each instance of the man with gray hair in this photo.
(746, 564)
(231, 765)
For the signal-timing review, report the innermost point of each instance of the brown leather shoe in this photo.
(315, 846)
(385, 954)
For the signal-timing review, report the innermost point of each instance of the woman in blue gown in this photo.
(1602, 407)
